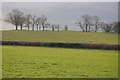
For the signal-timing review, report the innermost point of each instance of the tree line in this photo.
(89, 23)
(86, 23)
(31, 22)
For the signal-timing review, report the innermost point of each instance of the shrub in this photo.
(64, 45)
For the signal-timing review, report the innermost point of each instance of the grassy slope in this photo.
(41, 62)
(62, 36)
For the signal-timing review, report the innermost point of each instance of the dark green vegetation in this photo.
(63, 45)
(62, 36)
(41, 62)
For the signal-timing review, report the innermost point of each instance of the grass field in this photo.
(62, 36)
(44, 62)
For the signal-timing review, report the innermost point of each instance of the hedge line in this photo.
(64, 45)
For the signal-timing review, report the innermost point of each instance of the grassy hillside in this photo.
(62, 36)
(41, 62)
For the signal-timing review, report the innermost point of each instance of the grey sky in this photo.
(64, 13)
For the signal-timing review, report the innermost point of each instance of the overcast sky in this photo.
(64, 13)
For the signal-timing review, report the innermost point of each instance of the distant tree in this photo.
(58, 28)
(38, 23)
(21, 22)
(28, 20)
(81, 25)
(90, 24)
(53, 27)
(106, 27)
(66, 28)
(116, 27)
(96, 20)
(14, 17)
(85, 23)
(43, 21)
(33, 21)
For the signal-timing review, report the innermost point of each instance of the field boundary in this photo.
(63, 45)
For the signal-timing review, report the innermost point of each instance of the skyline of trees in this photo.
(87, 23)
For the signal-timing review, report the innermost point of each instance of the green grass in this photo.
(44, 62)
(62, 36)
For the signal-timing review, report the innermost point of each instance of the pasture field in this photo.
(46, 62)
(62, 36)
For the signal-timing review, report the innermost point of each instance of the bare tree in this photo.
(106, 27)
(21, 21)
(53, 26)
(43, 21)
(81, 25)
(33, 19)
(14, 17)
(86, 21)
(28, 20)
(116, 27)
(96, 20)
(89, 25)
(38, 23)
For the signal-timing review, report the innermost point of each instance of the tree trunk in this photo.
(16, 27)
(52, 28)
(86, 28)
(21, 27)
(28, 27)
(96, 28)
(43, 28)
(89, 28)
